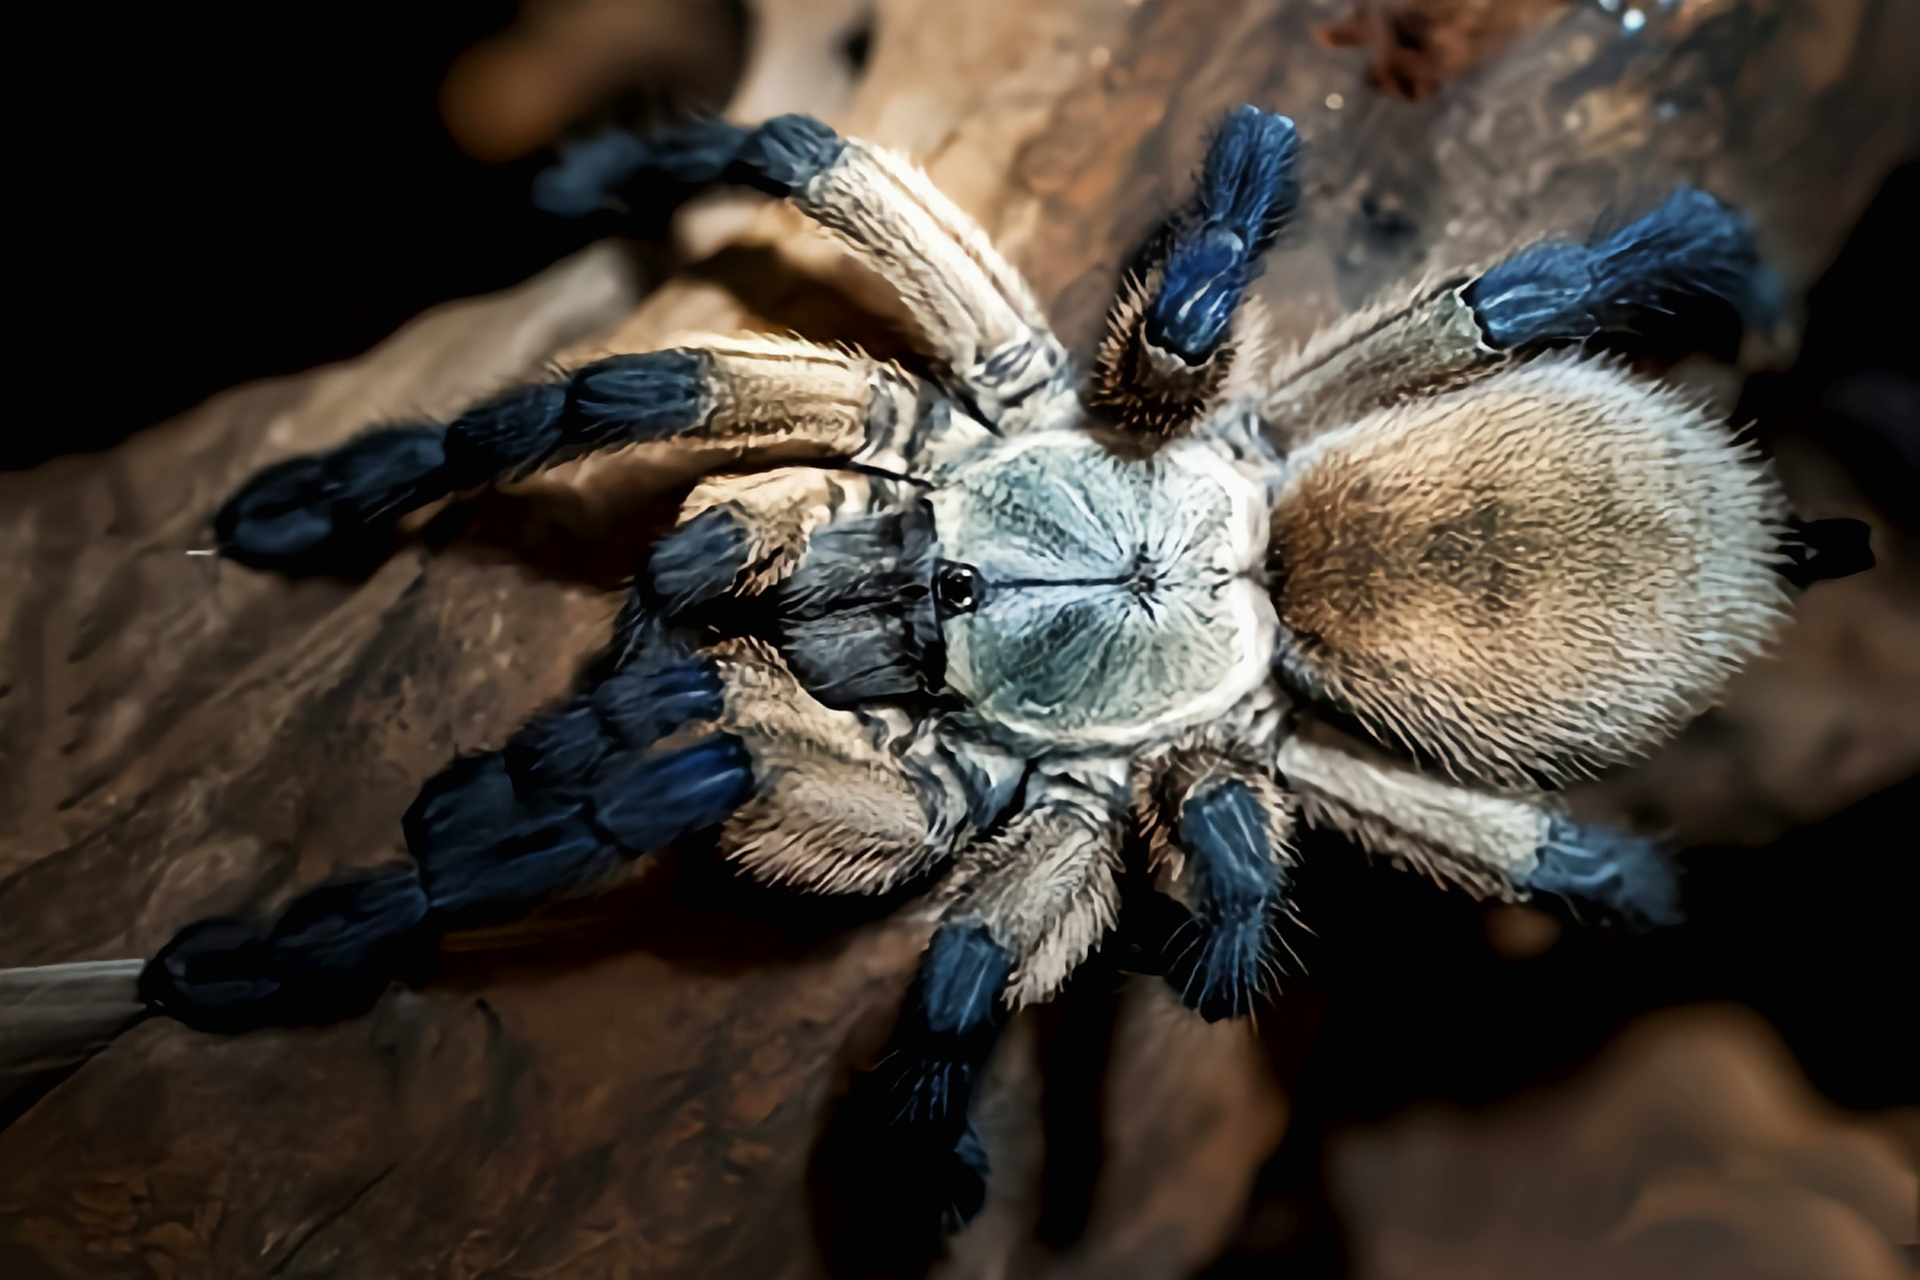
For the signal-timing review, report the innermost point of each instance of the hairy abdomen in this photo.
(1531, 577)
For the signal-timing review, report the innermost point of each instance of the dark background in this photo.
(254, 189)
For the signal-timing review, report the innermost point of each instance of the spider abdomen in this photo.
(1535, 576)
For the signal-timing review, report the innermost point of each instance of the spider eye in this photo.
(956, 588)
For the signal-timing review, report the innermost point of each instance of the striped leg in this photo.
(1170, 348)
(976, 313)
(1558, 291)
(751, 398)
(1025, 908)
(666, 742)
(569, 800)
(668, 745)
(1493, 844)
(1227, 827)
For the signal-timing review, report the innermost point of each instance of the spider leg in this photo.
(838, 564)
(1557, 291)
(665, 742)
(1493, 844)
(833, 809)
(1025, 907)
(803, 795)
(749, 399)
(617, 770)
(1170, 348)
(1230, 825)
(740, 535)
(1044, 887)
(1692, 246)
(976, 312)
(905, 1162)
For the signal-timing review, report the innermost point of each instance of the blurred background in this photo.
(229, 195)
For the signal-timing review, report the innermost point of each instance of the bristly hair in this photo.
(1143, 389)
(1586, 560)
(1176, 332)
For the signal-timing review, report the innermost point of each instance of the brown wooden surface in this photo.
(183, 737)
(1691, 1148)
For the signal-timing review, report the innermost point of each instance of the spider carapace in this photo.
(999, 627)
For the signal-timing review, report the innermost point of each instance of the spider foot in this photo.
(1220, 972)
(1235, 828)
(335, 512)
(1691, 247)
(329, 956)
(898, 1189)
(908, 1164)
(1247, 190)
(893, 1199)
(776, 157)
(1631, 877)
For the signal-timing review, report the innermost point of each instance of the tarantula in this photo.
(1401, 582)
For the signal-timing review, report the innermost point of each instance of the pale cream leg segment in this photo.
(972, 307)
(779, 398)
(1044, 887)
(833, 812)
(1375, 358)
(1485, 842)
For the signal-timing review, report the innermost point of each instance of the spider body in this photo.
(1097, 601)
(1000, 620)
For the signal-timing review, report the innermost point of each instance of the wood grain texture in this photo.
(187, 738)
(637, 1092)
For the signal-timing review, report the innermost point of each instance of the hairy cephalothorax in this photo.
(1011, 629)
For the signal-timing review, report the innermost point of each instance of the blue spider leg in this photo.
(1169, 351)
(913, 1109)
(1247, 192)
(777, 157)
(1645, 281)
(976, 315)
(336, 512)
(1235, 852)
(1692, 246)
(562, 806)
(1630, 877)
